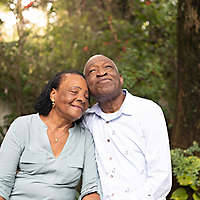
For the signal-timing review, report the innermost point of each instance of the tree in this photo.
(138, 35)
(187, 124)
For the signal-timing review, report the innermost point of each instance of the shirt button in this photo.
(127, 189)
(126, 152)
(113, 170)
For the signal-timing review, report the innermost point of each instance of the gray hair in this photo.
(96, 56)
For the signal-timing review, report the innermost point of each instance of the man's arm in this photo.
(158, 160)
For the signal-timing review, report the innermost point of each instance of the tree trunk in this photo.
(17, 66)
(187, 124)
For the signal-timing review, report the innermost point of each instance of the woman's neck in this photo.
(54, 121)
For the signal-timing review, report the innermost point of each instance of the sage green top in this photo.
(41, 175)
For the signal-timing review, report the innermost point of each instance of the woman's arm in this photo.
(90, 187)
(93, 196)
(10, 152)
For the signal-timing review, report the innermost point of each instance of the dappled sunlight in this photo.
(34, 18)
(8, 27)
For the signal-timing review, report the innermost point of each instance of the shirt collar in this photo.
(127, 106)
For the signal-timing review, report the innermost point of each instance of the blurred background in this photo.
(155, 44)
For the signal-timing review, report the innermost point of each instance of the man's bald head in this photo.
(95, 58)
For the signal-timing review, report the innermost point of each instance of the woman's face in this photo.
(71, 97)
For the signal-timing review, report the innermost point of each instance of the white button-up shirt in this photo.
(132, 150)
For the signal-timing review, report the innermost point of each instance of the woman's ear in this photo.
(53, 94)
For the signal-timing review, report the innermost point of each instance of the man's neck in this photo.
(112, 105)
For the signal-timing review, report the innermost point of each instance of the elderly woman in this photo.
(50, 150)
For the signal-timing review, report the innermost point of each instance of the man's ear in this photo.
(53, 94)
(121, 80)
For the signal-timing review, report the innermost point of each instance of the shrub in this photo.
(186, 168)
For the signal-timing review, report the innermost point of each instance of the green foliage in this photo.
(7, 121)
(77, 195)
(2, 134)
(139, 37)
(3, 2)
(186, 169)
(149, 62)
(180, 194)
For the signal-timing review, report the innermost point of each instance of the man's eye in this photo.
(108, 66)
(92, 70)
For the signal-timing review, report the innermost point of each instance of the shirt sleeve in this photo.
(89, 175)
(10, 152)
(159, 173)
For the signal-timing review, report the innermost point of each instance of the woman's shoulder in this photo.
(26, 117)
(83, 132)
(19, 128)
(22, 122)
(84, 129)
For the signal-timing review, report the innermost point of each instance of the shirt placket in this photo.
(111, 170)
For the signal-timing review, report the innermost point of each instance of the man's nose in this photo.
(101, 72)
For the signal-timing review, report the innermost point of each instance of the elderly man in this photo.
(131, 138)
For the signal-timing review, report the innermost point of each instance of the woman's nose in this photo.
(81, 98)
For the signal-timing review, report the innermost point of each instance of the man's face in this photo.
(103, 78)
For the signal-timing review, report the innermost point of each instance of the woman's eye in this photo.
(74, 92)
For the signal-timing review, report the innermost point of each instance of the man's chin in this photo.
(104, 92)
(105, 95)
